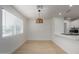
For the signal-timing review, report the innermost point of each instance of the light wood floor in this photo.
(39, 47)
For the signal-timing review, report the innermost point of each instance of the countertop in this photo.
(69, 36)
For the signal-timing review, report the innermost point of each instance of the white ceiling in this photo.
(48, 11)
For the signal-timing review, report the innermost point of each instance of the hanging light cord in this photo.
(39, 12)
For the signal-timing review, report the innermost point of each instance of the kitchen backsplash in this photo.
(71, 26)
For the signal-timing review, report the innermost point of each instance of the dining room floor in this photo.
(39, 47)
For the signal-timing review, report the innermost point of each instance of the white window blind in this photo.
(11, 25)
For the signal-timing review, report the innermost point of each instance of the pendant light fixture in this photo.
(39, 19)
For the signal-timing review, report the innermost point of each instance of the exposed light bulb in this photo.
(70, 5)
(60, 13)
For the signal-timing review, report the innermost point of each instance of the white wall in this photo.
(40, 31)
(67, 26)
(58, 23)
(11, 43)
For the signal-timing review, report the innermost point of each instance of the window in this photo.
(11, 25)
